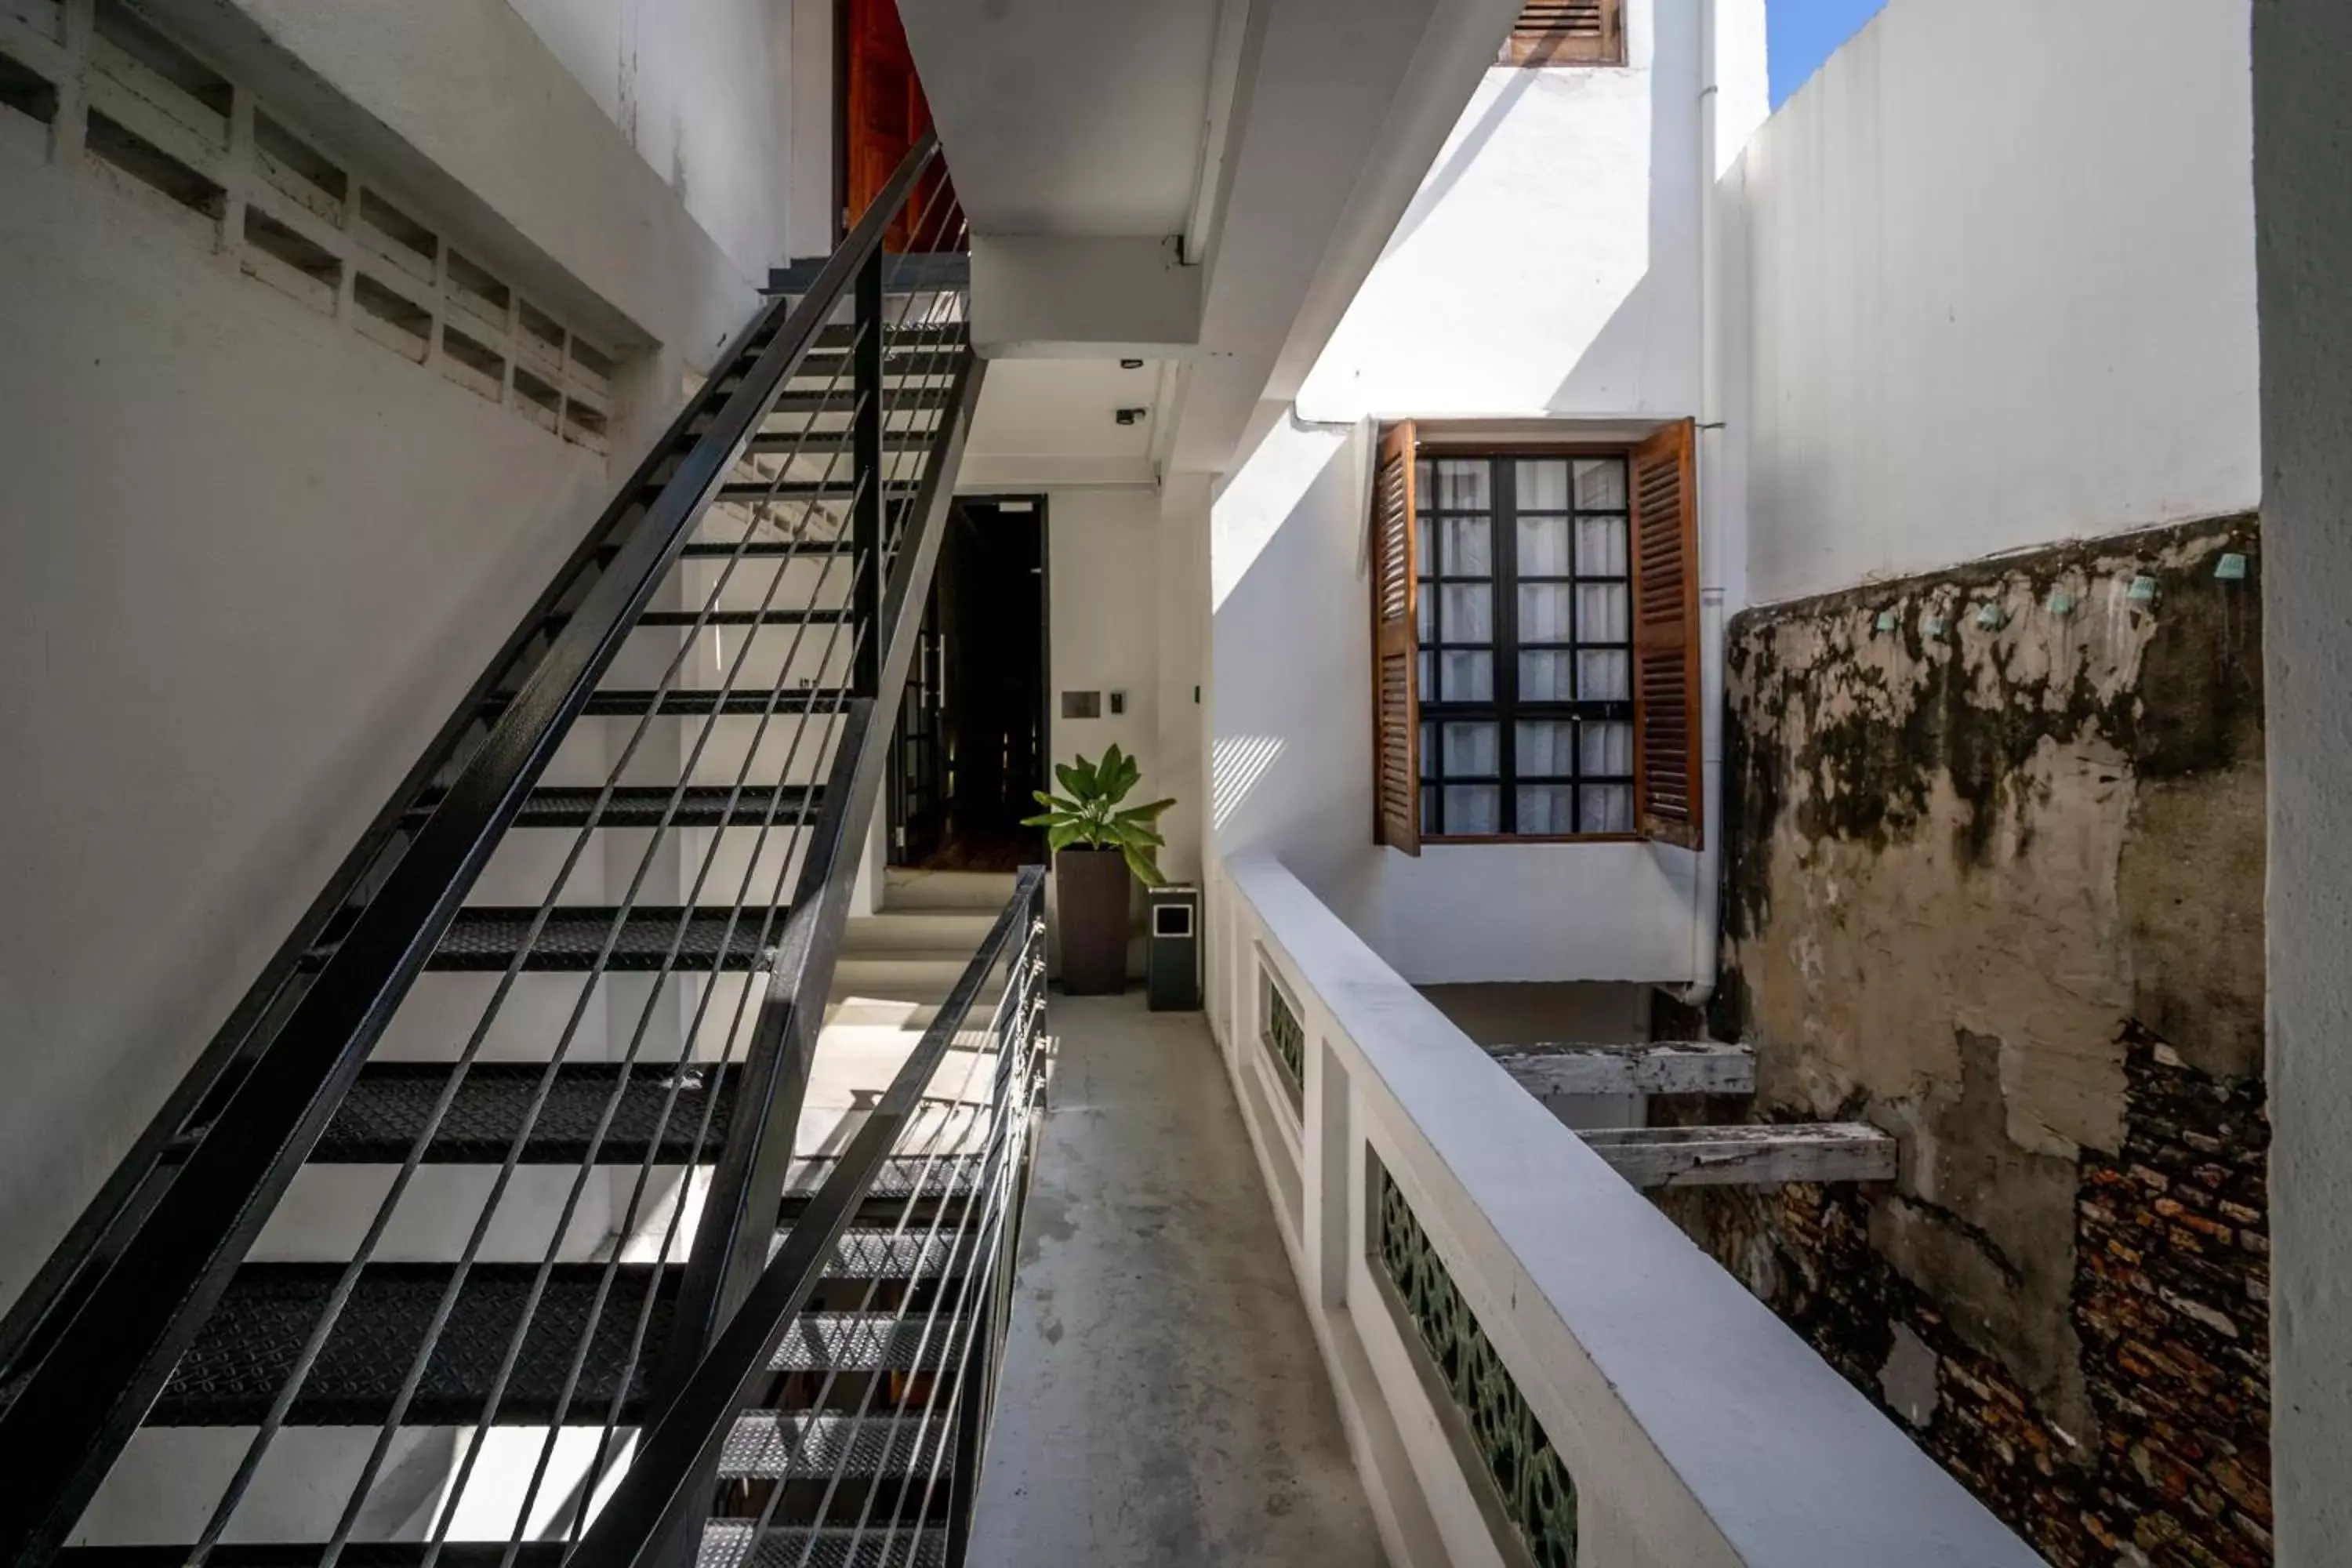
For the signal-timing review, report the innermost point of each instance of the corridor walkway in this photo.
(1162, 1402)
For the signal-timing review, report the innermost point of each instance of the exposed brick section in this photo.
(2171, 1302)
(2173, 1306)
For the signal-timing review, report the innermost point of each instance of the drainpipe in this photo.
(1706, 896)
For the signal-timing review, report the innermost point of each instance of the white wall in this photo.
(1548, 268)
(1121, 581)
(249, 559)
(2003, 286)
(701, 88)
(237, 605)
(1548, 264)
(2301, 126)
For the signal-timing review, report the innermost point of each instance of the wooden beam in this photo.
(1757, 1156)
(1545, 1070)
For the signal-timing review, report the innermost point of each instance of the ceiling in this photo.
(1280, 139)
(1069, 117)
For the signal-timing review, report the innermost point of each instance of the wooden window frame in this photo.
(1663, 615)
(1549, 33)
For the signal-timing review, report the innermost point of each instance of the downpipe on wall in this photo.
(1707, 895)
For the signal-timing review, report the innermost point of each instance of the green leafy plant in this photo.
(1088, 814)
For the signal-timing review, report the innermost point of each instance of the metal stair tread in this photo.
(903, 272)
(753, 550)
(692, 704)
(726, 1543)
(487, 938)
(783, 1547)
(250, 1344)
(865, 1341)
(641, 805)
(381, 1118)
(824, 615)
(766, 1445)
(245, 1351)
(803, 489)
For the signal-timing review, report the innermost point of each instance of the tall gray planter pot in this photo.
(1092, 888)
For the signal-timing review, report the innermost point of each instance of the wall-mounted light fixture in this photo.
(1130, 416)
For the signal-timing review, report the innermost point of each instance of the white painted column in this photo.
(2302, 137)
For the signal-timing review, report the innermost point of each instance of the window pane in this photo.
(1428, 676)
(1607, 749)
(1600, 613)
(1543, 485)
(1600, 484)
(1548, 808)
(1545, 750)
(1605, 676)
(1469, 547)
(1473, 808)
(1543, 547)
(1463, 485)
(1425, 484)
(1473, 749)
(1466, 678)
(1428, 750)
(1429, 808)
(1426, 612)
(1543, 612)
(1601, 546)
(1469, 612)
(1424, 565)
(1543, 678)
(1607, 808)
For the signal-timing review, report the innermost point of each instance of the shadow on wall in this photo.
(1289, 711)
(1547, 264)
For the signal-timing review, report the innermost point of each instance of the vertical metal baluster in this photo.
(866, 461)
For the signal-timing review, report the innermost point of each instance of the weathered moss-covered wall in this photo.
(1995, 884)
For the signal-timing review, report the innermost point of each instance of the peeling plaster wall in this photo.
(1995, 885)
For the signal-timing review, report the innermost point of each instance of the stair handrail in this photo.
(148, 1261)
(665, 1490)
(731, 1240)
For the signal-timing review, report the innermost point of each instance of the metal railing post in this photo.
(869, 475)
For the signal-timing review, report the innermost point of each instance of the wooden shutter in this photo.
(1567, 33)
(1396, 655)
(1668, 732)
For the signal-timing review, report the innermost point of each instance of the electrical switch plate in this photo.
(1119, 702)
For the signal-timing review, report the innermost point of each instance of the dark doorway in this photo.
(971, 735)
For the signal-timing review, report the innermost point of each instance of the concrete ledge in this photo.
(1754, 1155)
(1670, 1069)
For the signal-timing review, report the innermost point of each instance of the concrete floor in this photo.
(1162, 1401)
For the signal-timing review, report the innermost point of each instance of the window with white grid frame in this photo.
(1525, 610)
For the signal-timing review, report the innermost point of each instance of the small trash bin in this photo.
(1171, 948)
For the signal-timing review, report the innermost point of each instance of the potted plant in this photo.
(1099, 851)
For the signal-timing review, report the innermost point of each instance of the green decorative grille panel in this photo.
(1285, 1041)
(1535, 1486)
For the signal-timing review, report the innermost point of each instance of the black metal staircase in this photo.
(635, 1294)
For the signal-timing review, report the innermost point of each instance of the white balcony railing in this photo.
(1533, 1364)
